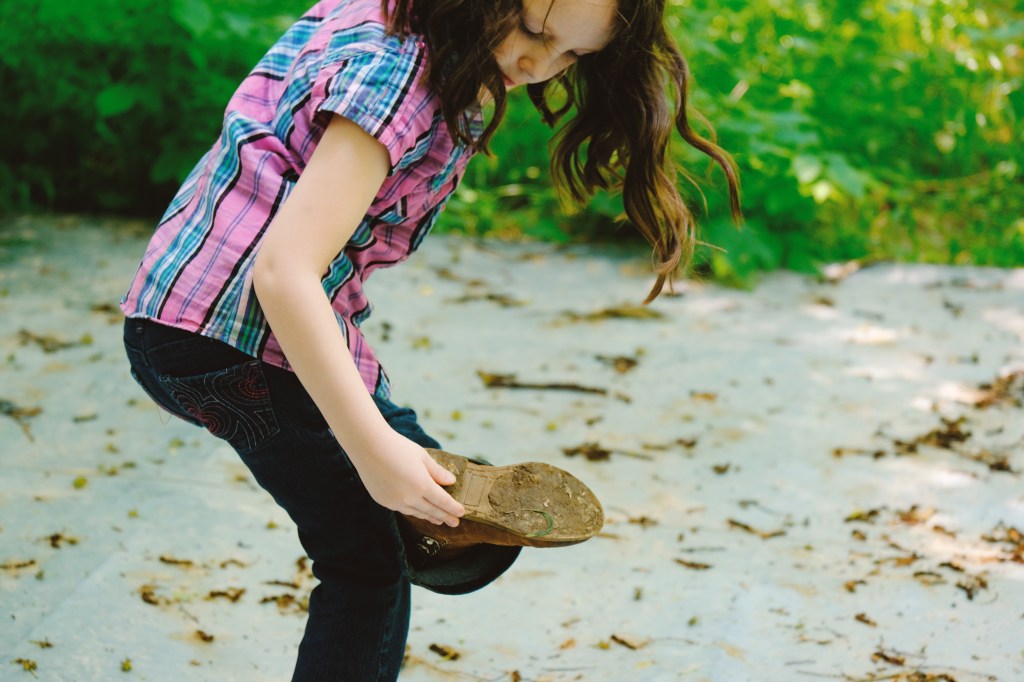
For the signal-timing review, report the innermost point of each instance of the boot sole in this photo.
(537, 504)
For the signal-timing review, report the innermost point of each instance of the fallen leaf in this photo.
(972, 584)
(929, 578)
(863, 618)
(592, 451)
(945, 437)
(623, 312)
(509, 381)
(891, 659)
(27, 664)
(501, 299)
(620, 363)
(233, 562)
(148, 594)
(49, 343)
(868, 516)
(694, 565)
(1006, 390)
(232, 594)
(899, 561)
(842, 452)
(630, 642)
(764, 535)
(445, 652)
(57, 540)
(915, 515)
(20, 415)
(14, 564)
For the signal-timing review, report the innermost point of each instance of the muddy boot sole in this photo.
(530, 504)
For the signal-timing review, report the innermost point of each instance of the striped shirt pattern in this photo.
(337, 59)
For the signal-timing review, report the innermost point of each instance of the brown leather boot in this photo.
(530, 505)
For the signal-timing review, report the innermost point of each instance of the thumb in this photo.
(441, 475)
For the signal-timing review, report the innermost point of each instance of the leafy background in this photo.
(864, 129)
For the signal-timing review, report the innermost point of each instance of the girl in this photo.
(337, 154)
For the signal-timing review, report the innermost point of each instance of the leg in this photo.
(359, 613)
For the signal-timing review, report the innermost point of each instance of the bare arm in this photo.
(319, 217)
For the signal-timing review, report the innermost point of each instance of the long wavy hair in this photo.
(627, 98)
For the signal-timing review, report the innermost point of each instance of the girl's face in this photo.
(551, 35)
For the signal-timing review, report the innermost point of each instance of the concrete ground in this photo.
(810, 480)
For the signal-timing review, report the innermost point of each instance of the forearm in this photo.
(304, 324)
(319, 217)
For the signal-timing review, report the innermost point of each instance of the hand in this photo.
(401, 476)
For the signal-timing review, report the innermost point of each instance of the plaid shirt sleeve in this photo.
(374, 84)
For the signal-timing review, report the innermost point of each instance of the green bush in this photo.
(888, 129)
(109, 104)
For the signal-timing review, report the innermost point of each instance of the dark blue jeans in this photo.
(359, 612)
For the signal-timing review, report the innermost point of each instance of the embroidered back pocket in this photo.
(233, 403)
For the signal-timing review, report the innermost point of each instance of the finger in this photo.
(429, 512)
(434, 514)
(417, 514)
(437, 472)
(445, 503)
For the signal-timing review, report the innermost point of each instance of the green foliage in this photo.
(863, 128)
(109, 104)
(870, 128)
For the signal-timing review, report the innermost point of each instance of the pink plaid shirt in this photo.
(337, 59)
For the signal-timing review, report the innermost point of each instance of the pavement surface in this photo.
(815, 479)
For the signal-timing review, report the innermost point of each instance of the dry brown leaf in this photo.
(764, 535)
(593, 452)
(863, 516)
(694, 565)
(232, 594)
(509, 381)
(148, 594)
(623, 312)
(891, 659)
(620, 363)
(14, 564)
(863, 618)
(972, 584)
(57, 540)
(915, 515)
(20, 415)
(630, 642)
(445, 652)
